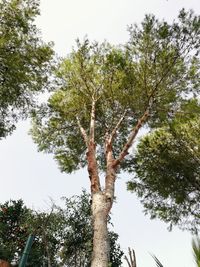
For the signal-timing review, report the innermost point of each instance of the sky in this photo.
(35, 177)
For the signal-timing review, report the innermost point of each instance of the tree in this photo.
(12, 234)
(16, 223)
(25, 61)
(167, 170)
(76, 232)
(106, 95)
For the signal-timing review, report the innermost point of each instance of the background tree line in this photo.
(63, 235)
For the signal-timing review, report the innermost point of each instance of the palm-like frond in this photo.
(196, 250)
(158, 263)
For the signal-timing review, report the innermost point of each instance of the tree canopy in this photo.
(167, 170)
(24, 61)
(149, 76)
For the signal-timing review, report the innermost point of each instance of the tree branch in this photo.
(133, 134)
(92, 121)
(112, 135)
(83, 132)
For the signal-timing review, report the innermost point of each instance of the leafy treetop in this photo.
(108, 93)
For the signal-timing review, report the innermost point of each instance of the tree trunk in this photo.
(101, 247)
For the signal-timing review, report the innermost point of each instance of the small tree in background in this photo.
(63, 236)
(12, 232)
(16, 222)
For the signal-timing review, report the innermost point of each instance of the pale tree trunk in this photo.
(101, 205)
(101, 248)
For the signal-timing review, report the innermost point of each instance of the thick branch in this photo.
(110, 175)
(132, 136)
(112, 135)
(92, 121)
(83, 132)
(93, 168)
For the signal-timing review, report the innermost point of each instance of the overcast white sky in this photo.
(34, 177)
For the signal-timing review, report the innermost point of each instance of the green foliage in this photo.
(76, 231)
(167, 171)
(154, 71)
(12, 231)
(25, 61)
(63, 236)
(77, 234)
(93, 70)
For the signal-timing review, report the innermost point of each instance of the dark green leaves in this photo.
(24, 61)
(167, 171)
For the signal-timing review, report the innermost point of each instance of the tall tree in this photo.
(24, 61)
(167, 173)
(106, 95)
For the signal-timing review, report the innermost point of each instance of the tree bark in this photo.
(101, 205)
(101, 247)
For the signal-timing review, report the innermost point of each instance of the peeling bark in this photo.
(93, 168)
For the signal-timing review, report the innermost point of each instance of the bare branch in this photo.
(83, 132)
(92, 121)
(133, 134)
(112, 135)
